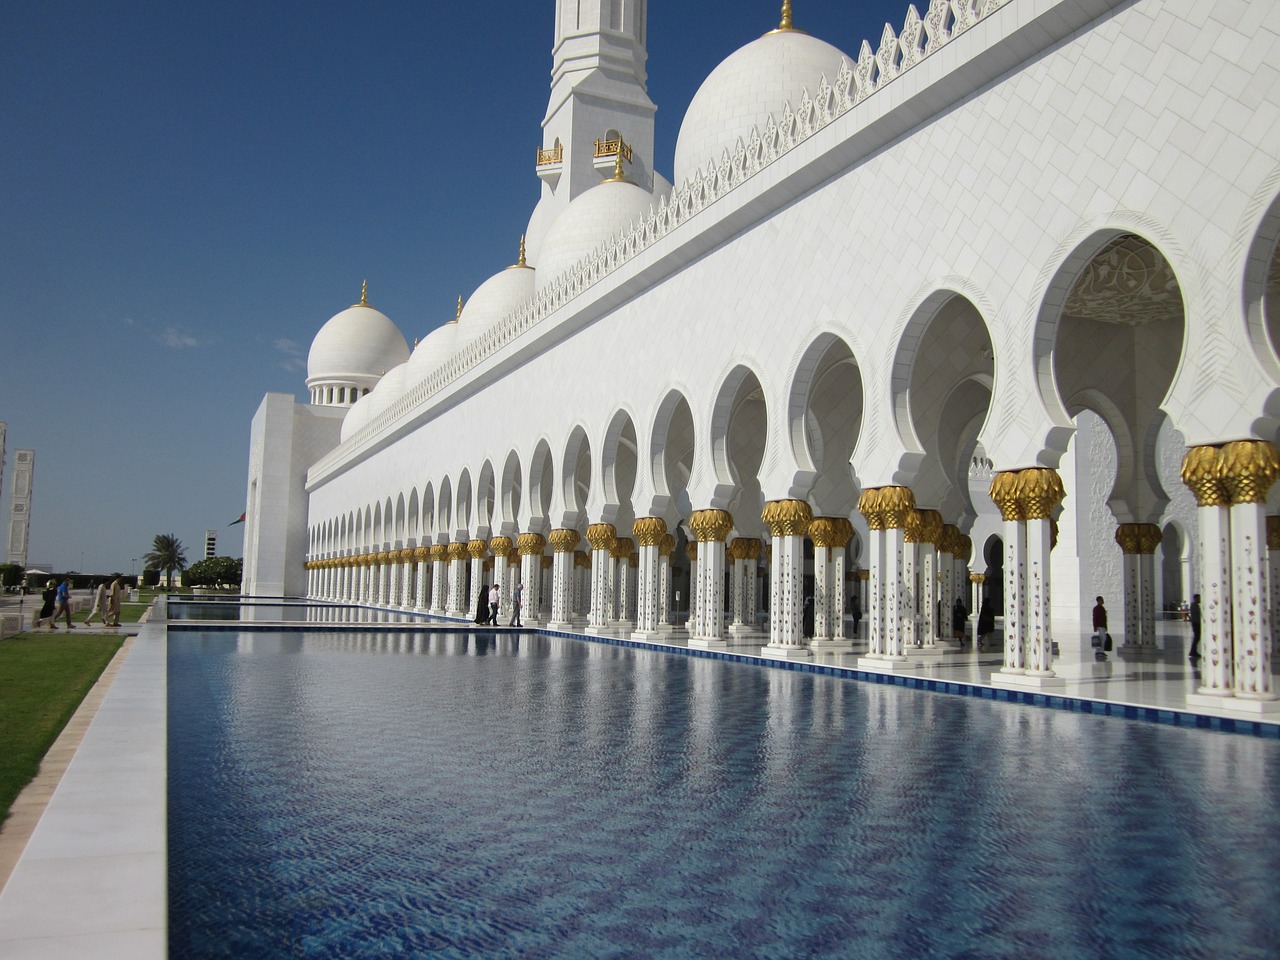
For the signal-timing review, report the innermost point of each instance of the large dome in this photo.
(494, 299)
(355, 345)
(751, 85)
(361, 412)
(602, 212)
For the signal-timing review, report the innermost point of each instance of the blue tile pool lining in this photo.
(1030, 698)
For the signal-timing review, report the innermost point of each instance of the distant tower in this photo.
(24, 469)
(4, 428)
(599, 91)
(210, 543)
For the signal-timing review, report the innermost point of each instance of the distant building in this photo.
(210, 543)
(24, 469)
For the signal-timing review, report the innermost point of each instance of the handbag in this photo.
(1107, 646)
(1095, 641)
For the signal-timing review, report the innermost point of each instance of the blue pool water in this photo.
(455, 795)
(213, 609)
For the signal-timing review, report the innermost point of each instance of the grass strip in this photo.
(43, 678)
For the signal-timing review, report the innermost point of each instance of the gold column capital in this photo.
(1127, 537)
(439, 551)
(864, 574)
(931, 526)
(501, 546)
(1039, 490)
(1200, 474)
(1273, 533)
(897, 507)
(456, 550)
(1248, 468)
(649, 531)
(748, 548)
(531, 544)
(601, 535)
(711, 525)
(787, 518)
(869, 507)
(477, 549)
(564, 539)
(913, 528)
(582, 559)
(691, 550)
(546, 562)
(1005, 495)
(622, 548)
(666, 545)
(978, 578)
(421, 553)
(407, 553)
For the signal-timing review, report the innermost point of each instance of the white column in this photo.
(909, 592)
(439, 579)
(788, 522)
(648, 532)
(602, 537)
(711, 527)
(664, 583)
(1039, 661)
(531, 546)
(562, 575)
(1251, 602)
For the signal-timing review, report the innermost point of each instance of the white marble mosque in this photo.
(983, 308)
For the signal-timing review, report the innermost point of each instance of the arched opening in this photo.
(620, 462)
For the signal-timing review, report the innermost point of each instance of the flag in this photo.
(240, 519)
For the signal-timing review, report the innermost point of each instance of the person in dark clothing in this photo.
(482, 605)
(855, 611)
(1100, 630)
(986, 623)
(958, 616)
(806, 620)
(1194, 616)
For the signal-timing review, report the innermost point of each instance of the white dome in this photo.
(602, 212)
(494, 299)
(357, 344)
(434, 349)
(361, 412)
(751, 85)
(544, 214)
(389, 389)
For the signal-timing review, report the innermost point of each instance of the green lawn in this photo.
(43, 678)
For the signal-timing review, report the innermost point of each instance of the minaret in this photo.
(598, 92)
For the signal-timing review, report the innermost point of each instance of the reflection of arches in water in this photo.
(1172, 566)
(993, 553)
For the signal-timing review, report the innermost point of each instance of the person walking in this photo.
(986, 623)
(49, 597)
(1194, 616)
(495, 595)
(63, 608)
(113, 603)
(855, 611)
(482, 606)
(517, 597)
(99, 603)
(1100, 630)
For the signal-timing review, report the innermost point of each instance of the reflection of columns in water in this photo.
(788, 521)
(562, 542)
(711, 527)
(649, 533)
(502, 549)
(602, 537)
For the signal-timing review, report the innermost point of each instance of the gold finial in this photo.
(415, 343)
(521, 261)
(458, 314)
(786, 16)
(364, 293)
(618, 175)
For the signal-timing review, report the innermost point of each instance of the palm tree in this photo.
(166, 554)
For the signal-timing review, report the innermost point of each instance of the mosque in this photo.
(984, 310)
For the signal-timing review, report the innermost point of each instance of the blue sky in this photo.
(190, 190)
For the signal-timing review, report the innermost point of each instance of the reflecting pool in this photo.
(456, 795)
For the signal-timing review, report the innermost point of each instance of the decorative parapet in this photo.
(553, 155)
(896, 54)
(611, 148)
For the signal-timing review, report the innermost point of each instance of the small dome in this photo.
(602, 212)
(436, 347)
(357, 345)
(544, 214)
(746, 89)
(389, 389)
(494, 299)
(361, 412)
